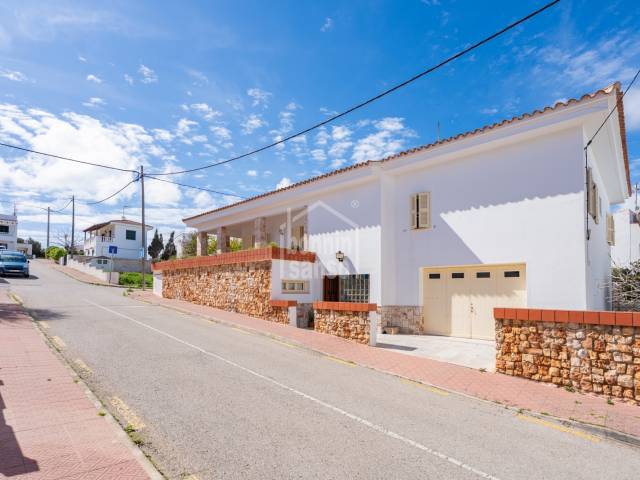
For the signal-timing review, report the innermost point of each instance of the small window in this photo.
(131, 234)
(434, 276)
(4, 228)
(457, 275)
(512, 274)
(611, 230)
(295, 286)
(483, 274)
(420, 208)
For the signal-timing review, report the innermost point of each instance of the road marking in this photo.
(429, 388)
(284, 343)
(317, 401)
(126, 413)
(339, 360)
(242, 330)
(84, 368)
(558, 427)
(58, 343)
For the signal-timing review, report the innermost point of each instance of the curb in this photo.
(597, 430)
(96, 283)
(137, 454)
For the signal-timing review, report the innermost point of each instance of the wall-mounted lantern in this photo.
(340, 256)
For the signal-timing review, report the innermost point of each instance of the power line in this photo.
(113, 194)
(377, 97)
(193, 186)
(66, 158)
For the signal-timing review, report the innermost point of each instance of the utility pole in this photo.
(73, 223)
(48, 223)
(143, 251)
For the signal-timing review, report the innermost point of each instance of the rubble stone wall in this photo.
(409, 318)
(345, 324)
(238, 287)
(602, 359)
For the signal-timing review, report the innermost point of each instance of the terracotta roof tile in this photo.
(615, 87)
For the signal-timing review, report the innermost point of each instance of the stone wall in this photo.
(409, 318)
(599, 358)
(238, 287)
(349, 325)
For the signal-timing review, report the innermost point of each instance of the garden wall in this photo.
(596, 352)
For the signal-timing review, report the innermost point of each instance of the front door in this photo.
(331, 289)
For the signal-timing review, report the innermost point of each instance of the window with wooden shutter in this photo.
(611, 230)
(592, 196)
(420, 210)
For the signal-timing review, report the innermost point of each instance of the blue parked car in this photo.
(13, 263)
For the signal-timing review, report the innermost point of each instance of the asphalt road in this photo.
(217, 402)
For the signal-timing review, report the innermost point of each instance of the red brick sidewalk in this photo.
(506, 390)
(49, 428)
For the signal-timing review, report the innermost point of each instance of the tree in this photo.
(189, 245)
(169, 251)
(156, 246)
(212, 247)
(626, 287)
(36, 247)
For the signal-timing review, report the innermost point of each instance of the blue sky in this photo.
(178, 84)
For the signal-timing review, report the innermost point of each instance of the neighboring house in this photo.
(8, 232)
(436, 236)
(9, 235)
(123, 234)
(627, 238)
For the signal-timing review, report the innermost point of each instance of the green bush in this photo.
(132, 279)
(55, 253)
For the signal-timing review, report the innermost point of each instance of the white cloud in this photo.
(340, 132)
(327, 25)
(94, 102)
(252, 173)
(338, 149)
(121, 145)
(489, 111)
(184, 126)
(199, 138)
(82, 59)
(93, 78)
(13, 75)
(337, 163)
(205, 111)
(284, 183)
(389, 139)
(322, 137)
(318, 155)
(221, 133)
(163, 135)
(128, 78)
(251, 123)
(260, 97)
(148, 75)
(392, 124)
(293, 106)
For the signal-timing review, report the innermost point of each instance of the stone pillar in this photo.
(260, 232)
(202, 244)
(373, 328)
(222, 240)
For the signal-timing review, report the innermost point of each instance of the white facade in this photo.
(8, 232)
(123, 234)
(511, 194)
(627, 238)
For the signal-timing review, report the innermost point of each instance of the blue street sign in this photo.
(113, 249)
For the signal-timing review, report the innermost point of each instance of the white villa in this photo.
(511, 214)
(123, 234)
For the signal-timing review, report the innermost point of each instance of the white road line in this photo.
(363, 421)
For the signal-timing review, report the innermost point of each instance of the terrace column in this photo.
(222, 240)
(260, 232)
(202, 244)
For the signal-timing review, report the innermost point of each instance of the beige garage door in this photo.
(459, 301)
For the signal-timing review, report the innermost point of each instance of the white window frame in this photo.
(420, 211)
(295, 286)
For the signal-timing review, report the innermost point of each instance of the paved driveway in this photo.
(216, 402)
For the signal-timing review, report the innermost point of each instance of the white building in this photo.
(8, 232)
(627, 236)
(9, 235)
(123, 234)
(438, 235)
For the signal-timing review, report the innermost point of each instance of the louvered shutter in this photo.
(424, 210)
(591, 201)
(611, 230)
(414, 211)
